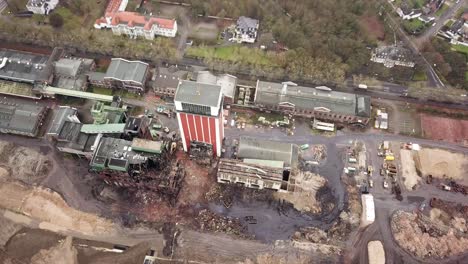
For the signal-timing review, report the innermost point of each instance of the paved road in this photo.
(433, 78)
(440, 22)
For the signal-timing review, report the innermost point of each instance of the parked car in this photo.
(385, 184)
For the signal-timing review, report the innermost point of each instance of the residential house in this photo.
(406, 12)
(432, 6)
(166, 80)
(122, 74)
(392, 55)
(41, 7)
(134, 24)
(246, 29)
(227, 82)
(319, 102)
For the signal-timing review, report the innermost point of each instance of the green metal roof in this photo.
(268, 163)
(103, 129)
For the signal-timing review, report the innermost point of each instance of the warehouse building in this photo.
(25, 67)
(251, 174)
(21, 117)
(320, 102)
(199, 114)
(255, 150)
(122, 74)
(261, 164)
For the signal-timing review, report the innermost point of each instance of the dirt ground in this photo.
(305, 192)
(22, 164)
(447, 129)
(204, 31)
(443, 164)
(50, 208)
(373, 26)
(64, 252)
(408, 167)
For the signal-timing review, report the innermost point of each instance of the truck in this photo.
(362, 86)
(304, 147)
(370, 169)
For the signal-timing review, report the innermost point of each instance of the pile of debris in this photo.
(452, 209)
(210, 221)
(201, 153)
(427, 239)
(311, 234)
(320, 152)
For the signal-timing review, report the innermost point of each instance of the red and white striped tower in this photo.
(199, 109)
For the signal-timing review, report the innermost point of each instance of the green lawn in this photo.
(449, 23)
(466, 76)
(442, 10)
(419, 76)
(460, 48)
(100, 90)
(413, 25)
(235, 53)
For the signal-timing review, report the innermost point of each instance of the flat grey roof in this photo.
(227, 82)
(169, 77)
(269, 93)
(23, 66)
(198, 93)
(262, 149)
(96, 76)
(117, 149)
(69, 67)
(20, 116)
(125, 70)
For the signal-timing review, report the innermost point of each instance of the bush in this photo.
(56, 20)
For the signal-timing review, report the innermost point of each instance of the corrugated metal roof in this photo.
(268, 163)
(269, 93)
(255, 148)
(198, 93)
(125, 70)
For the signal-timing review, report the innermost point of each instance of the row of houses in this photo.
(457, 33)
(409, 10)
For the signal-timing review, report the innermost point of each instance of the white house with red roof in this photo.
(134, 24)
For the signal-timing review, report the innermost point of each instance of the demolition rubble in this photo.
(428, 238)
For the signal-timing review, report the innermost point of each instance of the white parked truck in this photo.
(362, 86)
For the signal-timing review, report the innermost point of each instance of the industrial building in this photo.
(70, 73)
(25, 67)
(268, 150)
(319, 102)
(21, 117)
(261, 164)
(140, 165)
(227, 82)
(166, 80)
(368, 210)
(251, 174)
(199, 110)
(122, 74)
